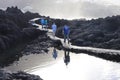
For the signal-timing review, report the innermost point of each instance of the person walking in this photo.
(46, 23)
(54, 28)
(66, 32)
(42, 22)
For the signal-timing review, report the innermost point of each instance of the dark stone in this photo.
(7, 75)
(14, 27)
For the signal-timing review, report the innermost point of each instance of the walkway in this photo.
(78, 48)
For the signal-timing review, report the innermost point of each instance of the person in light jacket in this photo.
(54, 28)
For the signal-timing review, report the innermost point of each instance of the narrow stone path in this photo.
(78, 48)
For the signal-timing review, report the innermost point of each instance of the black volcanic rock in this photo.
(14, 27)
(19, 37)
(7, 75)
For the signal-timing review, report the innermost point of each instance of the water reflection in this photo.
(66, 57)
(54, 53)
(79, 66)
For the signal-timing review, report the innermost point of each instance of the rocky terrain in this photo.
(39, 45)
(17, 38)
(7, 75)
(15, 29)
(16, 32)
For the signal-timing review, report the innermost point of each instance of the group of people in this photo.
(44, 23)
(66, 31)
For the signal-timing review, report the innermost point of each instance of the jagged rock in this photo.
(14, 27)
(7, 75)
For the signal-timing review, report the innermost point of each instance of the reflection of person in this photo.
(66, 32)
(54, 28)
(66, 57)
(54, 53)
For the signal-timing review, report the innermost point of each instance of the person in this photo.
(46, 23)
(54, 53)
(66, 32)
(54, 28)
(66, 57)
(42, 22)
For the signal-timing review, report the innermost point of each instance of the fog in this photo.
(68, 9)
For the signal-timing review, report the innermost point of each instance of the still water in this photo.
(77, 67)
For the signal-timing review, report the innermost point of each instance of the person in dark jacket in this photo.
(66, 32)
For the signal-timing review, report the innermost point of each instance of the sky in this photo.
(67, 9)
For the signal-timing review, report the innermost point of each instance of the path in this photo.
(82, 49)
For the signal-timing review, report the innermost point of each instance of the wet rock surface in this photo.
(20, 75)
